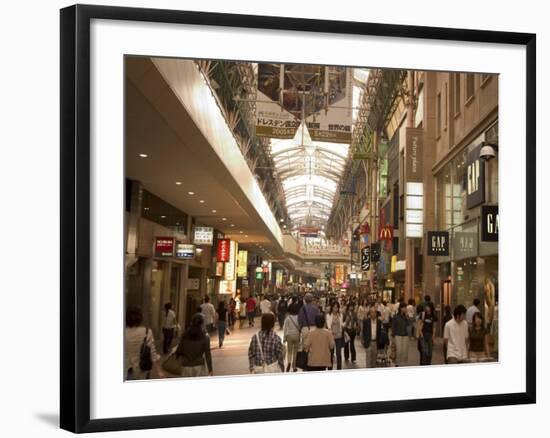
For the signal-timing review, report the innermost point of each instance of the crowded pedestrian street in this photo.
(289, 218)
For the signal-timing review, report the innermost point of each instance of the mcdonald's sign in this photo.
(386, 233)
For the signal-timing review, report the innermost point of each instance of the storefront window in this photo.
(451, 193)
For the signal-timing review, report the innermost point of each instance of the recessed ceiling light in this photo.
(232, 225)
(214, 211)
(163, 217)
(241, 231)
(191, 193)
(202, 201)
(143, 155)
(224, 218)
(281, 220)
(178, 183)
(246, 235)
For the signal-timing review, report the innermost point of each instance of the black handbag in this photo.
(145, 361)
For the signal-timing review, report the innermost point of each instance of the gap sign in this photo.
(489, 223)
(438, 243)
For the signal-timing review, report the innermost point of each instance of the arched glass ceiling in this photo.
(309, 176)
(310, 170)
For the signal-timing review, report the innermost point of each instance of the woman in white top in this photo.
(291, 335)
(168, 327)
(136, 338)
(335, 323)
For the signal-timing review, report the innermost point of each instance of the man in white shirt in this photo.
(456, 337)
(472, 310)
(265, 305)
(209, 312)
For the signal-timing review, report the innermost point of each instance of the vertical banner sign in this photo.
(164, 247)
(475, 178)
(365, 258)
(222, 254)
(242, 262)
(489, 223)
(413, 154)
(438, 243)
(230, 267)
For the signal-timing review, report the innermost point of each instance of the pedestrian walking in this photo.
(222, 322)
(209, 313)
(282, 310)
(447, 316)
(291, 336)
(142, 360)
(411, 314)
(319, 346)
(168, 327)
(306, 316)
(400, 336)
(351, 328)
(426, 334)
(471, 311)
(265, 352)
(251, 310)
(194, 349)
(335, 323)
(265, 305)
(456, 336)
(479, 341)
(371, 336)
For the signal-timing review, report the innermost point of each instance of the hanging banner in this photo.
(475, 178)
(438, 243)
(413, 154)
(164, 247)
(489, 223)
(222, 254)
(230, 268)
(242, 263)
(328, 101)
(465, 245)
(365, 258)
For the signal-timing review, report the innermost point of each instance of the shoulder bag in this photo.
(265, 368)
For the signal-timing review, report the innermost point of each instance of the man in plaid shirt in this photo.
(272, 346)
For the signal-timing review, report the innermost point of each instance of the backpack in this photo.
(145, 361)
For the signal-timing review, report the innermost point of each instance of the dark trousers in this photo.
(168, 336)
(221, 332)
(426, 343)
(281, 316)
(350, 346)
(250, 316)
(338, 353)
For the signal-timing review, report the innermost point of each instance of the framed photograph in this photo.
(266, 207)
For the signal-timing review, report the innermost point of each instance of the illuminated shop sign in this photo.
(414, 189)
(203, 235)
(438, 243)
(489, 223)
(465, 245)
(164, 247)
(222, 253)
(185, 251)
(242, 261)
(230, 268)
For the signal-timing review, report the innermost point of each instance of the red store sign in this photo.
(222, 254)
(164, 247)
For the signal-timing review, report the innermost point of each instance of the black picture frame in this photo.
(75, 216)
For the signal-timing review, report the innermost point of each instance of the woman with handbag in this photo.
(319, 345)
(291, 335)
(335, 324)
(265, 352)
(351, 327)
(141, 358)
(194, 349)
